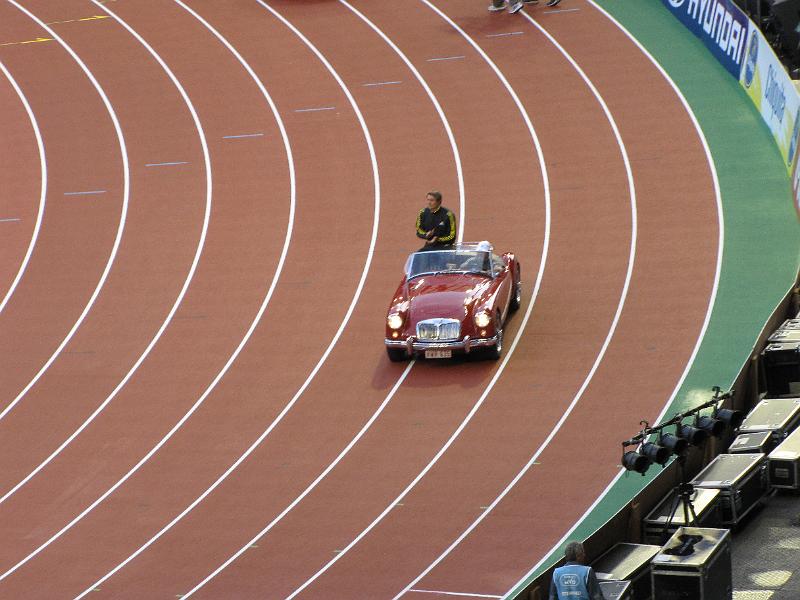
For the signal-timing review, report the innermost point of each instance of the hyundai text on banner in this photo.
(765, 80)
(720, 24)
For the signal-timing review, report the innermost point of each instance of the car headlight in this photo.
(482, 319)
(394, 321)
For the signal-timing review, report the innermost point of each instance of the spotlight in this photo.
(656, 453)
(731, 418)
(693, 435)
(676, 444)
(710, 425)
(633, 461)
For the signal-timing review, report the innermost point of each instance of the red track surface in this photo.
(330, 233)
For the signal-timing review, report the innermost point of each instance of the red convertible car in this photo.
(453, 300)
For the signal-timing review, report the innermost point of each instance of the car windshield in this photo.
(449, 261)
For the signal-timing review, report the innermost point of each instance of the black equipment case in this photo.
(781, 363)
(701, 569)
(628, 562)
(784, 463)
(756, 441)
(741, 479)
(706, 506)
(616, 590)
(778, 415)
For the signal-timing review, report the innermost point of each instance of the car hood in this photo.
(444, 296)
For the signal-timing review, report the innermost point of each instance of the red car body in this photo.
(452, 300)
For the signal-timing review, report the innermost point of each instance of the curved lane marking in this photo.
(314, 371)
(509, 354)
(170, 315)
(123, 214)
(207, 161)
(609, 336)
(435, 101)
(42, 197)
(598, 360)
(711, 300)
(388, 397)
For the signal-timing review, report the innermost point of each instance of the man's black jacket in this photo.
(442, 223)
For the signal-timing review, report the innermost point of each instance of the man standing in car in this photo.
(436, 224)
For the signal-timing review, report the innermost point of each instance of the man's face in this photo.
(433, 203)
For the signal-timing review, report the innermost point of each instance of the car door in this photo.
(502, 276)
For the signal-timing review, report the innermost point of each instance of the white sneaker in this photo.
(515, 7)
(495, 8)
(552, 2)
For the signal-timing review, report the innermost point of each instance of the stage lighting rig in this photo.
(694, 433)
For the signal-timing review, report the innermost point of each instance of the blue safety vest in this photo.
(571, 582)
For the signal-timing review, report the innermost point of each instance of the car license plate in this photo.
(438, 353)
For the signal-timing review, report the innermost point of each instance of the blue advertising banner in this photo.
(720, 24)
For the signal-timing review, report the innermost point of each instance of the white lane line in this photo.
(314, 109)
(88, 193)
(178, 300)
(167, 164)
(176, 304)
(198, 251)
(334, 340)
(43, 189)
(377, 413)
(459, 594)
(168, 319)
(263, 307)
(442, 117)
(560, 10)
(381, 83)
(711, 300)
(123, 212)
(446, 58)
(11, 220)
(609, 335)
(311, 486)
(492, 35)
(512, 348)
(242, 136)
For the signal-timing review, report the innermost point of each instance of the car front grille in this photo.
(439, 329)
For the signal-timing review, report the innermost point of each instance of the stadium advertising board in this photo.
(765, 80)
(720, 24)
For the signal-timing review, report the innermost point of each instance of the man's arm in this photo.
(553, 595)
(421, 233)
(593, 586)
(451, 233)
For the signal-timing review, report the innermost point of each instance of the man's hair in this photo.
(572, 551)
(436, 196)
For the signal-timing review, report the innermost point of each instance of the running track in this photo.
(207, 205)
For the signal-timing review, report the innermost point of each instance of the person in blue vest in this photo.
(575, 581)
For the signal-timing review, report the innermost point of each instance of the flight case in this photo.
(781, 362)
(706, 506)
(628, 562)
(756, 441)
(741, 479)
(701, 569)
(616, 590)
(778, 415)
(784, 463)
